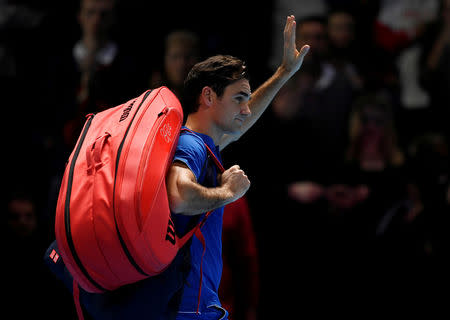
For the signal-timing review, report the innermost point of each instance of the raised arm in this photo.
(262, 97)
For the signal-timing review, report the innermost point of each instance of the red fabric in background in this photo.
(239, 288)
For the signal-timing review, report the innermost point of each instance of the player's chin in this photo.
(238, 122)
(234, 129)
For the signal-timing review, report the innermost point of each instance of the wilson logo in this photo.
(126, 112)
(166, 132)
(170, 235)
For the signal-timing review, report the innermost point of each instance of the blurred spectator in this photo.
(352, 207)
(239, 287)
(29, 286)
(314, 105)
(104, 73)
(364, 13)
(373, 137)
(422, 66)
(344, 51)
(374, 159)
(182, 51)
(370, 184)
(399, 28)
(372, 63)
(399, 22)
(413, 238)
(22, 218)
(106, 77)
(429, 178)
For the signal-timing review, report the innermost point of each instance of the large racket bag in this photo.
(113, 224)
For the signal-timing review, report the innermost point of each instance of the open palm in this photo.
(292, 58)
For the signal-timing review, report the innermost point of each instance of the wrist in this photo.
(227, 194)
(283, 73)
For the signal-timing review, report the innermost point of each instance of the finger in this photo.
(293, 31)
(234, 168)
(303, 51)
(287, 28)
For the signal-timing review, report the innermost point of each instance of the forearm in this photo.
(188, 197)
(193, 199)
(264, 95)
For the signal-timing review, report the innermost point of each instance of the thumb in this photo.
(303, 51)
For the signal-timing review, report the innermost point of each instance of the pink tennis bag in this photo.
(113, 225)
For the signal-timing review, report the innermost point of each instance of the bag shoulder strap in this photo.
(210, 152)
(187, 236)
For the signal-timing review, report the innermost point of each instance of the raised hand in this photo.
(292, 58)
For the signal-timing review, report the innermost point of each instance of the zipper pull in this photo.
(165, 110)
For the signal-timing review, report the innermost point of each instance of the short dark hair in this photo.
(216, 72)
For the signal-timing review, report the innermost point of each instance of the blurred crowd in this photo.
(349, 205)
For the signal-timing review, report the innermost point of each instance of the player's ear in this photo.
(208, 96)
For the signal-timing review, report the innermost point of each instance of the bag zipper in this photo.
(67, 206)
(148, 145)
(119, 152)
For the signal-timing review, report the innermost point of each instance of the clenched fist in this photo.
(236, 181)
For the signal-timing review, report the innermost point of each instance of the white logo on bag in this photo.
(166, 132)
